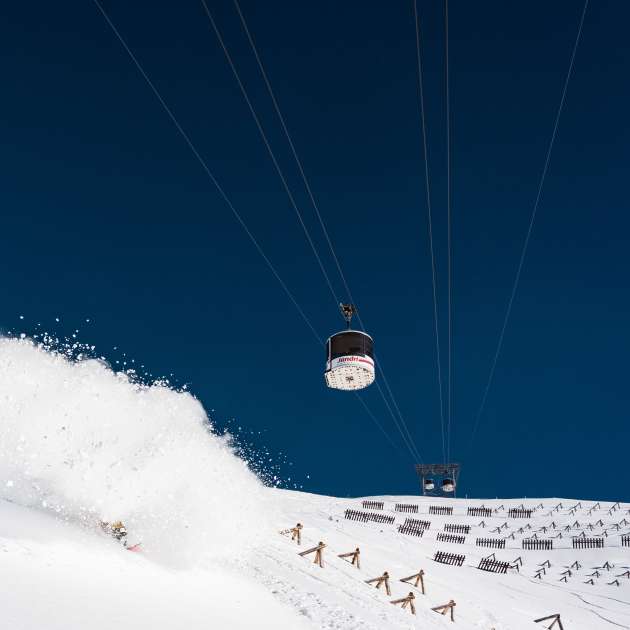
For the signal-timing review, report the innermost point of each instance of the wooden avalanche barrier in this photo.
(452, 559)
(418, 579)
(555, 619)
(625, 540)
(318, 554)
(406, 601)
(354, 556)
(296, 533)
(382, 579)
(446, 608)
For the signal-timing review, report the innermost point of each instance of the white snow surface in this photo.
(88, 444)
(80, 444)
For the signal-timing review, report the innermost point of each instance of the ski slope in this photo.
(81, 444)
(56, 574)
(336, 597)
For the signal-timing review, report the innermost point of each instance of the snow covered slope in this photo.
(61, 575)
(80, 444)
(336, 597)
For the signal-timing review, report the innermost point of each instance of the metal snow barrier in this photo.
(555, 620)
(625, 540)
(519, 513)
(355, 515)
(411, 530)
(452, 559)
(484, 512)
(493, 566)
(417, 523)
(541, 544)
(496, 543)
(451, 538)
(588, 543)
(373, 505)
(381, 518)
(457, 529)
(440, 510)
(406, 507)
(365, 517)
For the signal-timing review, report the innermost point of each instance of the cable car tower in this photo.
(438, 480)
(349, 356)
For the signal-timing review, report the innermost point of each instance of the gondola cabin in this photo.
(448, 485)
(349, 360)
(429, 485)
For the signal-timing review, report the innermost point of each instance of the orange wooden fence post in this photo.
(446, 608)
(296, 532)
(354, 555)
(419, 579)
(406, 601)
(318, 554)
(383, 579)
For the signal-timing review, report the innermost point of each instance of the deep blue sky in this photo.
(107, 215)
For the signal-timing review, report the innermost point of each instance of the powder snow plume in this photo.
(78, 439)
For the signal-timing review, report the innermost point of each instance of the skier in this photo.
(117, 530)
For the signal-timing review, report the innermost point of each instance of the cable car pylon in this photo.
(349, 356)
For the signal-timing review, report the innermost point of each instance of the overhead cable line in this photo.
(294, 151)
(376, 422)
(409, 438)
(215, 182)
(430, 224)
(449, 239)
(270, 150)
(404, 431)
(529, 228)
(208, 172)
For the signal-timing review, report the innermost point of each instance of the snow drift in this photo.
(87, 443)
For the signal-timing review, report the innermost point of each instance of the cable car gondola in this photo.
(429, 484)
(349, 357)
(448, 485)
